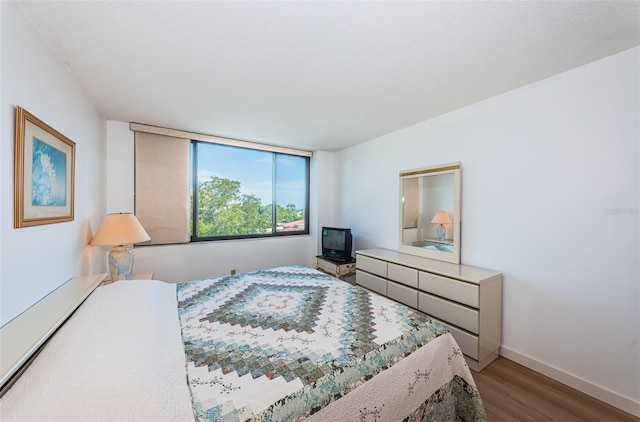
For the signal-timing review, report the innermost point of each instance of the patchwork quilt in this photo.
(293, 343)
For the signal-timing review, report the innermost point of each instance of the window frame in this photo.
(274, 233)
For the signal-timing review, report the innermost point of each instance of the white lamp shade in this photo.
(441, 217)
(120, 229)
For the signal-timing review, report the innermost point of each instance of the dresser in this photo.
(467, 300)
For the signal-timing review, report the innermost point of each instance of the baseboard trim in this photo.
(614, 399)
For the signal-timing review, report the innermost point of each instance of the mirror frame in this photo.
(452, 168)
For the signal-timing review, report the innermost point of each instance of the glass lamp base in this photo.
(120, 263)
(441, 232)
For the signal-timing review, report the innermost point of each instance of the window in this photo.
(239, 192)
(231, 189)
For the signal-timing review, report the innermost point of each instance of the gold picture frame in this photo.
(44, 173)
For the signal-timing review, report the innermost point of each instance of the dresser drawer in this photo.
(371, 265)
(402, 294)
(455, 290)
(404, 275)
(449, 312)
(371, 282)
(468, 342)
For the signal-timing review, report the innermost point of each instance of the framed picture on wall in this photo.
(44, 173)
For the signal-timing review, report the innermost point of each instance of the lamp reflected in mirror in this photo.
(441, 218)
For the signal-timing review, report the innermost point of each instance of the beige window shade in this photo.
(162, 187)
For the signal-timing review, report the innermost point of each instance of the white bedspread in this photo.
(107, 343)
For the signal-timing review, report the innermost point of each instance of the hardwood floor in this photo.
(510, 392)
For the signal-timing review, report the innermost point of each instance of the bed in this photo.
(283, 344)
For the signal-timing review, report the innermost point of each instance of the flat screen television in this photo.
(336, 243)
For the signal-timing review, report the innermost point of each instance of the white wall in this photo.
(550, 197)
(208, 259)
(36, 260)
(200, 260)
(325, 194)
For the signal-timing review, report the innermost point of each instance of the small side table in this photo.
(136, 276)
(337, 269)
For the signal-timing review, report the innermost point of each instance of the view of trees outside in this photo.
(236, 190)
(291, 192)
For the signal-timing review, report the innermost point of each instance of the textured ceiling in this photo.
(318, 75)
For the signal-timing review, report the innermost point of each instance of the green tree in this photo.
(224, 211)
(281, 212)
(291, 213)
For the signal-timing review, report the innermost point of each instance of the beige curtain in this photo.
(162, 187)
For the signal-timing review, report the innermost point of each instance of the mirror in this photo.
(430, 212)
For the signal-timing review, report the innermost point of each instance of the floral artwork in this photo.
(44, 173)
(48, 175)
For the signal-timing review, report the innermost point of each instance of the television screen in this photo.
(336, 243)
(334, 239)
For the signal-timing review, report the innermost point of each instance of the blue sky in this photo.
(254, 172)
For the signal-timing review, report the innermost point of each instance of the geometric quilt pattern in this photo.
(292, 326)
(270, 305)
(273, 306)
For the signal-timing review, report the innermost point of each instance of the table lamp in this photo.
(441, 218)
(120, 230)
